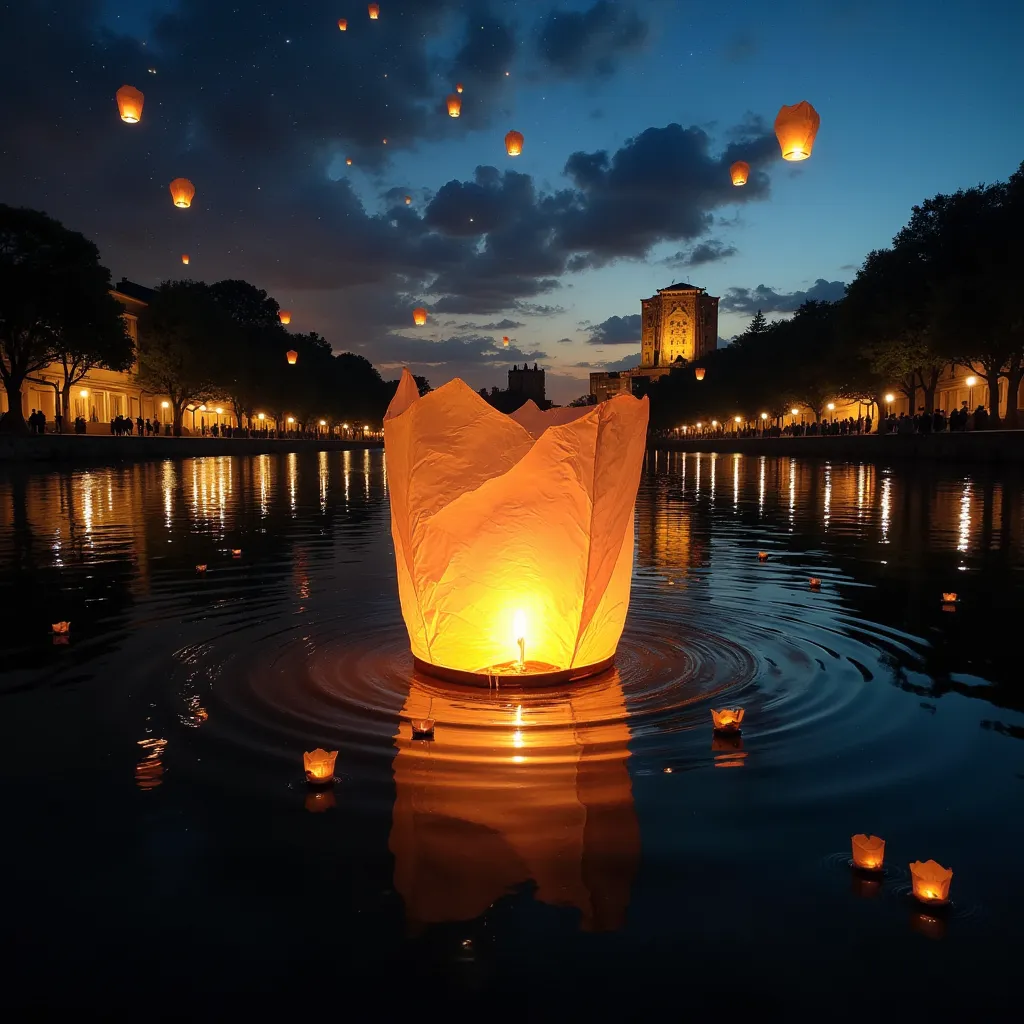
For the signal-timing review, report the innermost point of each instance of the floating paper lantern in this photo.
(285, 316)
(454, 105)
(814, 583)
(348, 161)
(419, 316)
(60, 628)
(408, 200)
(931, 881)
(727, 720)
(292, 356)
(129, 104)
(795, 128)
(343, 24)
(236, 552)
(514, 143)
(698, 372)
(740, 172)
(950, 597)
(512, 528)
(762, 556)
(504, 341)
(868, 852)
(201, 567)
(319, 765)
(458, 88)
(374, 10)
(422, 728)
(182, 192)
(184, 258)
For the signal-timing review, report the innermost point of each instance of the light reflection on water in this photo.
(866, 706)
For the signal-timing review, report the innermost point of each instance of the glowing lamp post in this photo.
(970, 382)
(931, 881)
(513, 534)
(889, 399)
(868, 852)
(319, 766)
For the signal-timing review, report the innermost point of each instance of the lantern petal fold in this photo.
(498, 520)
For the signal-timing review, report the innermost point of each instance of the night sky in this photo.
(632, 113)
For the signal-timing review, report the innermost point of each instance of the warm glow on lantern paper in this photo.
(740, 172)
(319, 764)
(129, 104)
(182, 192)
(419, 316)
(454, 105)
(727, 720)
(509, 793)
(374, 10)
(514, 143)
(868, 852)
(931, 881)
(699, 372)
(795, 128)
(292, 356)
(496, 519)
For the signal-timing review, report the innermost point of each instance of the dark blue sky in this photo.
(260, 104)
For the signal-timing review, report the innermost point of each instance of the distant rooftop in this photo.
(682, 287)
(139, 292)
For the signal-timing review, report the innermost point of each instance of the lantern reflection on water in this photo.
(534, 791)
(529, 514)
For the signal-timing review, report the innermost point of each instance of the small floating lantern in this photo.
(408, 200)
(514, 143)
(129, 104)
(348, 161)
(201, 567)
(184, 258)
(285, 316)
(319, 765)
(868, 852)
(374, 11)
(182, 192)
(236, 552)
(60, 628)
(343, 24)
(292, 356)
(762, 556)
(949, 601)
(699, 372)
(740, 172)
(422, 728)
(727, 720)
(931, 881)
(319, 800)
(454, 102)
(814, 583)
(419, 316)
(504, 341)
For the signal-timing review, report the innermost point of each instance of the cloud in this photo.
(532, 309)
(742, 46)
(625, 363)
(590, 42)
(616, 330)
(747, 300)
(704, 252)
(501, 325)
(565, 341)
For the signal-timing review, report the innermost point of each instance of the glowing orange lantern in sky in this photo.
(408, 200)
(319, 765)
(374, 10)
(514, 143)
(795, 128)
(698, 372)
(868, 852)
(343, 24)
(419, 316)
(129, 104)
(740, 172)
(458, 88)
(931, 881)
(182, 191)
(184, 258)
(293, 357)
(504, 341)
(348, 161)
(454, 105)
(513, 534)
(727, 720)
(285, 316)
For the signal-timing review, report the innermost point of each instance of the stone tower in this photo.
(680, 322)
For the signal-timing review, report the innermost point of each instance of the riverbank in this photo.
(974, 447)
(101, 448)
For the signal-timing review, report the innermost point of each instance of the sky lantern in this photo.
(348, 161)
(458, 88)
(513, 534)
(184, 258)
(795, 128)
(408, 200)
(292, 356)
(285, 316)
(514, 143)
(182, 192)
(740, 172)
(504, 341)
(454, 105)
(129, 104)
(419, 316)
(698, 372)
(374, 10)
(343, 24)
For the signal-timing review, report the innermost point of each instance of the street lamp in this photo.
(889, 399)
(970, 382)
(261, 416)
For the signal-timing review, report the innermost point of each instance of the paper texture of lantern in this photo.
(285, 316)
(795, 128)
(129, 104)
(458, 88)
(698, 372)
(343, 24)
(949, 597)
(868, 852)
(727, 720)
(419, 316)
(931, 881)
(408, 200)
(814, 583)
(762, 556)
(182, 192)
(348, 161)
(422, 727)
(514, 143)
(293, 357)
(374, 11)
(201, 567)
(454, 105)
(185, 258)
(60, 628)
(319, 765)
(504, 341)
(740, 172)
(512, 528)
(538, 791)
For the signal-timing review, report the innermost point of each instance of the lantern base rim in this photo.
(538, 674)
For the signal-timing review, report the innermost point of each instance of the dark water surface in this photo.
(582, 849)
